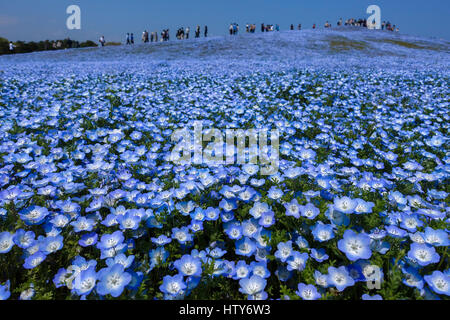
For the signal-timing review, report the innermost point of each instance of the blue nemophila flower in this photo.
(321, 279)
(439, 282)
(34, 260)
(112, 280)
(85, 281)
(189, 266)
(308, 292)
(284, 251)
(322, 232)
(363, 207)
(212, 214)
(302, 243)
(129, 221)
(196, 226)
(247, 195)
(242, 270)
(24, 239)
(34, 215)
(260, 269)
(83, 224)
(185, 208)
(52, 244)
(173, 285)
(319, 255)
(68, 207)
(339, 278)
(297, 261)
(228, 205)
(437, 238)
(252, 286)
(412, 277)
(293, 208)
(423, 254)
(5, 291)
(355, 246)
(122, 259)
(345, 205)
(216, 252)
(267, 219)
(274, 193)
(158, 256)
(6, 242)
(410, 222)
(258, 209)
(233, 230)
(182, 235)
(60, 220)
(396, 232)
(309, 211)
(89, 239)
(110, 241)
(245, 247)
(161, 240)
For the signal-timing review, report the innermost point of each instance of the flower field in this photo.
(93, 207)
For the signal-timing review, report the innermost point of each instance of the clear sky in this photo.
(46, 19)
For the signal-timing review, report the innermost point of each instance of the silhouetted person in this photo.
(206, 31)
(263, 27)
(128, 39)
(197, 32)
(292, 27)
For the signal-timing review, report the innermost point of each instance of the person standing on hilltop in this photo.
(132, 38)
(102, 41)
(292, 27)
(11, 47)
(128, 38)
(197, 32)
(187, 32)
(263, 27)
(314, 26)
(206, 31)
(299, 26)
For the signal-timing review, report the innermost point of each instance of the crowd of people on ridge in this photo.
(184, 33)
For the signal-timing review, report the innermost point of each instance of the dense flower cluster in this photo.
(92, 207)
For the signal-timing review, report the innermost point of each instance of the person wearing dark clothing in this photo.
(292, 27)
(263, 27)
(206, 31)
(128, 38)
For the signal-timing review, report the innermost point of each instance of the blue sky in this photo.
(46, 19)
